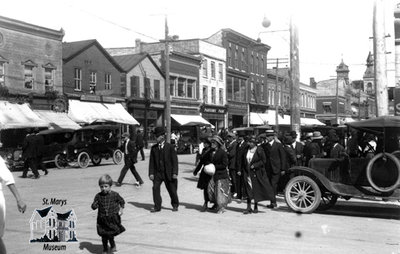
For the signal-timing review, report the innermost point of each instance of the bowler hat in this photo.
(252, 139)
(217, 139)
(317, 135)
(270, 133)
(158, 131)
(125, 135)
(293, 134)
(288, 140)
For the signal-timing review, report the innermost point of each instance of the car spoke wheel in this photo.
(302, 194)
(61, 161)
(327, 201)
(96, 160)
(83, 159)
(117, 156)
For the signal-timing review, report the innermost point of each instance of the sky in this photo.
(329, 30)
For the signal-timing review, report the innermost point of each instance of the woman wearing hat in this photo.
(257, 185)
(219, 186)
(204, 178)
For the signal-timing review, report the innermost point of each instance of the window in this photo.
(221, 96)
(2, 74)
(28, 73)
(220, 72)
(213, 95)
(48, 79)
(212, 69)
(252, 63)
(262, 92)
(243, 58)
(181, 87)
(262, 66)
(229, 87)
(253, 92)
(236, 89)
(369, 88)
(205, 69)
(256, 70)
(135, 84)
(190, 88)
(147, 88)
(205, 94)
(243, 90)
(236, 57)
(92, 82)
(229, 62)
(157, 90)
(327, 107)
(172, 82)
(107, 81)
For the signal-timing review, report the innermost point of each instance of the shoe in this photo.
(24, 176)
(221, 210)
(272, 205)
(36, 177)
(204, 208)
(248, 211)
(46, 172)
(142, 159)
(214, 207)
(113, 249)
(118, 184)
(153, 210)
(105, 252)
(255, 210)
(175, 209)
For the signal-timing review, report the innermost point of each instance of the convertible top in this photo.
(377, 123)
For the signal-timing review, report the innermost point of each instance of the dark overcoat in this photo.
(258, 186)
(205, 158)
(276, 158)
(241, 150)
(168, 158)
(220, 161)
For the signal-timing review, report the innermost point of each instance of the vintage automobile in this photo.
(92, 143)
(324, 180)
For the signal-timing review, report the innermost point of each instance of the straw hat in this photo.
(218, 139)
(270, 132)
(317, 135)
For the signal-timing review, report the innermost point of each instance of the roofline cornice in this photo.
(23, 27)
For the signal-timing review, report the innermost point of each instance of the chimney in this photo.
(313, 84)
(138, 45)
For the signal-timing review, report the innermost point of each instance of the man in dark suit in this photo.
(241, 151)
(231, 146)
(140, 143)
(130, 158)
(39, 144)
(163, 167)
(276, 162)
(29, 154)
(298, 147)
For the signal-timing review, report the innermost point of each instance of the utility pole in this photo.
(295, 78)
(381, 82)
(167, 114)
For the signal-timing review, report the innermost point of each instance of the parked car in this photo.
(324, 180)
(92, 143)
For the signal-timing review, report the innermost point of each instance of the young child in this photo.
(110, 205)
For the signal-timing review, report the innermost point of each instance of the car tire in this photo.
(369, 173)
(117, 156)
(60, 161)
(83, 159)
(96, 160)
(302, 194)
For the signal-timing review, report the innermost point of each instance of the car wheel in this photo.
(83, 159)
(302, 194)
(397, 154)
(383, 182)
(96, 160)
(61, 161)
(117, 156)
(327, 201)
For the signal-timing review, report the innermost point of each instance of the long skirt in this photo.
(109, 225)
(219, 192)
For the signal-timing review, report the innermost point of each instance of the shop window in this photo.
(107, 81)
(78, 79)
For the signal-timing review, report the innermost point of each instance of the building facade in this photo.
(246, 77)
(30, 63)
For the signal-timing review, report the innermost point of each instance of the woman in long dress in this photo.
(204, 179)
(219, 186)
(257, 184)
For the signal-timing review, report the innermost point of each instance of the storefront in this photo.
(237, 114)
(215, 115)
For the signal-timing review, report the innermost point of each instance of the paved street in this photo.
(350, 227)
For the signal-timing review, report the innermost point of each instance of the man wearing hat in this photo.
(231, 147)
(276, 162)
(130, 158)
(163, 167)
(241, 150)
(314, 149)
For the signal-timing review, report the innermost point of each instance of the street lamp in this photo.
(294, 74)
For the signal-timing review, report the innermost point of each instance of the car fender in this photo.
(319, 178)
